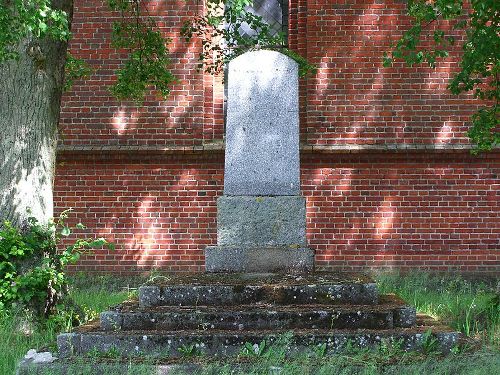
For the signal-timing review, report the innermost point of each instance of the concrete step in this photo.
(391, 312)
(238, 289)
(173, 344)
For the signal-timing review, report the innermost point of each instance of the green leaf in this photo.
(387, 60)
(479, 67)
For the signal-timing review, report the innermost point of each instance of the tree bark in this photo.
(30, 97)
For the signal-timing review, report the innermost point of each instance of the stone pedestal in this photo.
(260, 233)
(246, 258)
(261, 219)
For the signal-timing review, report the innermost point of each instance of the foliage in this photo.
(32, 269)
(147, 64)
(95, 294)
(274, 350)
(253, 350)
(222, 39)
(191, 350)
(480, 64)
(22, 18)
(430, 344)
(74, 70)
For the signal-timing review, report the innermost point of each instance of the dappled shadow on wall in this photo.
(353, 99)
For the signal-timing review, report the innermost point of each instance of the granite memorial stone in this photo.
(261, 218)
(262, 129)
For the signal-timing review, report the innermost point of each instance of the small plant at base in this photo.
(430, 344)
(276, 352)
(335, 316)
(191, 350)
(320, 350)
(349, 347)
(390, 347)
(253, 350)
(156, 276)
(93, 353)
(455, 350)
(469, 325)
(112, 353)
(32, 268)
(460, 349)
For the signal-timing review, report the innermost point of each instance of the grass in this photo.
(362, 362)
(18, 334)
(469, 305)
(481, 363)
(14, 344)
(102, 291)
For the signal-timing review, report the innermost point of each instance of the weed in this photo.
(391, 348)
(445, 297)
(430, 344)
(320, 350)
(156, 276)
(93, 353)
(472, 307)
(190, 350)
(253, 350)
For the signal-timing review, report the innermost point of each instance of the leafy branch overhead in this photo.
(74, 70)
(222, 38)
(480, 63)
(20, 19)
(147, 65)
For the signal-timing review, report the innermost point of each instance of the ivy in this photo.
(480, 64)
(32, 266)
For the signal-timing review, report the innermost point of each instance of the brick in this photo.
(370, 205)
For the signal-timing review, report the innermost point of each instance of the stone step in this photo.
(390, 313)
(173, 344)
(238, 289)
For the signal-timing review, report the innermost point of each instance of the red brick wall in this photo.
(364, 211)
(159, 211)
(381, 210)
(90, 114)
(404, 207)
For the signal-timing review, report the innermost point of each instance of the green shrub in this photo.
(32, 264)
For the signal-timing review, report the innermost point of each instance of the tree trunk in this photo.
(30, 97)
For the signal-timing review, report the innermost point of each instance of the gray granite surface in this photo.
(261, 221)
(245, 258)
(262, 127)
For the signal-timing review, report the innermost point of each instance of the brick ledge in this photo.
(306, 148)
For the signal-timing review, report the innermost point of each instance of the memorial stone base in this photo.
(260, 234)
(258, 259)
